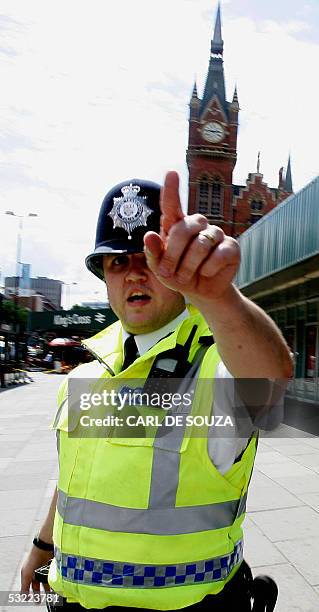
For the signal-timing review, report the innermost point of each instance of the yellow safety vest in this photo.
(146, 522)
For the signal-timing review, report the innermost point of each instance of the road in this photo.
(281, 529)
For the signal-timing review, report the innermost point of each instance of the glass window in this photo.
(216, 199)
(291, 314)
(281, 320)
(312, 315)
(301, 312)
(311, 353)
(256, 205)
(210, 198)
(203, 207)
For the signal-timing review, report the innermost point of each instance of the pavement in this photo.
(282, 524)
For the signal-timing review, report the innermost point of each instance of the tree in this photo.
(78, 308)
(10, 314)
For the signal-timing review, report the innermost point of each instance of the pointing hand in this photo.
(190, 255)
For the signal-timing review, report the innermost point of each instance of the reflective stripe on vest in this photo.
(101, 573)
(167, 445)
(153, 521)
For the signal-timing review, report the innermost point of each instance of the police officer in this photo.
(155, 522)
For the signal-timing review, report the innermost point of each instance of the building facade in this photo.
(279, 271)
(212, 154)
(49, 288)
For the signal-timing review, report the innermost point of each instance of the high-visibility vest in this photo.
(146, 522)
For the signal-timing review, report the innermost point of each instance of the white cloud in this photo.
(276, 93)
(93, 93)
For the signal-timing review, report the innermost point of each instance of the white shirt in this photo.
(222, 450)
(145, 341)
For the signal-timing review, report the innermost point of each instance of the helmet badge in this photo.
(130, 210)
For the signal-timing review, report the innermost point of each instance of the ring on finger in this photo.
(209, 234)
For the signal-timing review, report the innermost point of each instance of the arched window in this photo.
(203, 200)
(216, 205)
(256, 206)
(210, 197)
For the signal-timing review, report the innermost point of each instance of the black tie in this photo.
(130, 352)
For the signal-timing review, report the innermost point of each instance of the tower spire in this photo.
(288, 180)
(194, 103)
(217, 42)
(235, 104)
(194, 94)
(215, 81)
(258, 162)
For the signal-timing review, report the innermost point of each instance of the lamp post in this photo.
(68, 293)
(18, 262)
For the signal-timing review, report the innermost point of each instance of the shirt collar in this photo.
(145, 341)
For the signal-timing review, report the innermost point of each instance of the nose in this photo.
(137, 270)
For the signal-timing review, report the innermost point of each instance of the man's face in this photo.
(139, 300)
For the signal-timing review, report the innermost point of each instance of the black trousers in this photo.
(235, 597)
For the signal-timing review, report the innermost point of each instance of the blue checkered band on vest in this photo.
(115, 574)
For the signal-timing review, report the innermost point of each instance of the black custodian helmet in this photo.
(128, 211)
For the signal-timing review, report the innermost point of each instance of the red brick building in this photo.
(212, 154)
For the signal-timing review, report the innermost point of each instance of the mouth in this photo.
(138, 298)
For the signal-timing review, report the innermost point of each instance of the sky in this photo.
(94, 92)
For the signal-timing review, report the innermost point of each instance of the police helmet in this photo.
(128, 211)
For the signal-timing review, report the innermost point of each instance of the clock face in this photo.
(213, 131)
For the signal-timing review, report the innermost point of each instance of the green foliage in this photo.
(10, 314)
(78, 308)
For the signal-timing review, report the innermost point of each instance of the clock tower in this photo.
(212, 142)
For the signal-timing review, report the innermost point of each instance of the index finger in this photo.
(170, 202)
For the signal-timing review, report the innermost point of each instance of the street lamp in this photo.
(17, 278)
(68, 290)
